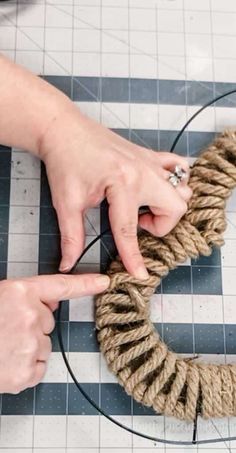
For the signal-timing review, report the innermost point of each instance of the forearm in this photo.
(28, 106)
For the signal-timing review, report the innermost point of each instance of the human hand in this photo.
(26, 320)
(85, 163)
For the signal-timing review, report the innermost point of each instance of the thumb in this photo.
(51, 288)
(72, 238)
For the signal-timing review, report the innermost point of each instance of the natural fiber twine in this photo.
(143, 364)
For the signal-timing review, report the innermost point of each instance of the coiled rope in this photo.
(133, 349)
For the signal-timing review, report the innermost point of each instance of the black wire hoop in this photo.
(194, 440)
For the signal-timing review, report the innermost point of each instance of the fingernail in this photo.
(65, 266)
(141, 273)
(103, 281)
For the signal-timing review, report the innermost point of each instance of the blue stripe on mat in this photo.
(5, 183)
(148, 91)
(63, 398)
(208, 338)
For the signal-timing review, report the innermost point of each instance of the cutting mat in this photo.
(141, 68)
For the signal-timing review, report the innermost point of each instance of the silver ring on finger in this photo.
(178, 175)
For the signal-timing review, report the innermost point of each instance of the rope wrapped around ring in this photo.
(133, 349)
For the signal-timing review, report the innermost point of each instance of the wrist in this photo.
(58, 130)
(52, 125)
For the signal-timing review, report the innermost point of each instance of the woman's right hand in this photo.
(26, 320)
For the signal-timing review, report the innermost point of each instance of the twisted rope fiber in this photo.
(151, 373)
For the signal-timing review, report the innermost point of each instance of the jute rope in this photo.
(134, 351)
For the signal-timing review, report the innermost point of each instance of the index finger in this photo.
(60, 286)
(166, 211)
